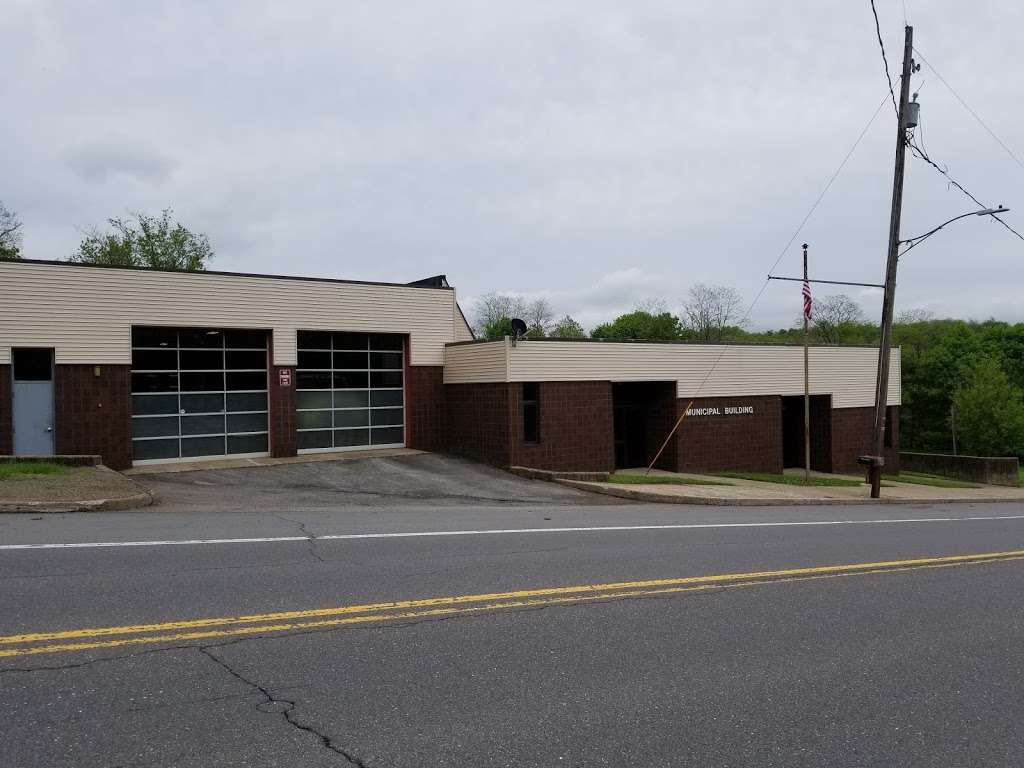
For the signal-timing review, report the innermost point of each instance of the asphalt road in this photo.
(913, 664)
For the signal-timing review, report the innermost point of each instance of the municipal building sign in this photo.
(726, 410)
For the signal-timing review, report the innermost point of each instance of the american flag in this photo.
(807, 300)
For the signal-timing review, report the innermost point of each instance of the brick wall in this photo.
(424, 407)
(281, 405)
(851, 437)
(6, 417)
(477, 421)
(750, 443)
(576, 430)
(92, 414)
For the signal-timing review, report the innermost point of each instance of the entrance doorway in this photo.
(821, 432)
(33, 402)
(643, 412)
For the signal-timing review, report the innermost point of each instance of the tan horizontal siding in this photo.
(86, 313)
(847, 373)
(462, 331)
(473, 363)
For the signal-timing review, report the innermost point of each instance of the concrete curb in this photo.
(142, 498)
(635, 494)
(548, 475)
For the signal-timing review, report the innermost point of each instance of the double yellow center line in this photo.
(175, 632)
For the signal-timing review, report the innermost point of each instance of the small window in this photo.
(33, 364)
(890, 411)
(531, 413)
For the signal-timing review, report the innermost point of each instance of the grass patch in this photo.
(935, 481)
(662, 480)
(766, 477)
(12, 469)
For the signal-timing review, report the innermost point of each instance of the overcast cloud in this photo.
(597, 153)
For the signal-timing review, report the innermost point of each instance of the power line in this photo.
(920, 153)
(828, 186)
(785, 248)
(746, 315)
(974, 114)
(885, 60)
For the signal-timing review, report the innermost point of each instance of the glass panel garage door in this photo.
(349, 390)
(198, 392)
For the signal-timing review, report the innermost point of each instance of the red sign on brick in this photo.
(284, 377)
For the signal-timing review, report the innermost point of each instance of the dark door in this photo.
(630, 436)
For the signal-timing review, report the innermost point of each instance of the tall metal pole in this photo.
(882, 384)
(807, 391)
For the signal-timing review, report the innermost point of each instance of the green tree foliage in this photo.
(641, 325)
(489, 310)
(501, 327)
(567, 328)
(146, 241)
(989, 411)
(498, 328)
(10, 234)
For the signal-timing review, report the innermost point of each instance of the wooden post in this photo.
(888, 299)
(807, 390)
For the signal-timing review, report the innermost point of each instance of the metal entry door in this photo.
(33, 402)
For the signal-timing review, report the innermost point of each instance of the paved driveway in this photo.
(425, 479)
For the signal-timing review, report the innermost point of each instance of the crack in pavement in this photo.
(310, 536)
(288, 712)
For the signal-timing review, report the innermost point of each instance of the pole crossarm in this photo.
(829, 282)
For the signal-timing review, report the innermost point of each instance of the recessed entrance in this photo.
(821, 432)
(643, 412)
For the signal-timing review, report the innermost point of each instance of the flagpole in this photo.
(807, 377)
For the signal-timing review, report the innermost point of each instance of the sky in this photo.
(599, 154)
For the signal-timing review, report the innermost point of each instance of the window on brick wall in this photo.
(531, 412)
(890, 411)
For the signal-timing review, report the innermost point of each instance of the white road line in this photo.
(496, 531)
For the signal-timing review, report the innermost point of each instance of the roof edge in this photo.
(305, 278)
(673, 342)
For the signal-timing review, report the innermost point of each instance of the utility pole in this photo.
(807, 388)
(882, 385)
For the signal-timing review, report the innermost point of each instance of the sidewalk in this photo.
(79, 489)
(756, 493)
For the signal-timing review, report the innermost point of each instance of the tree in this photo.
(10, 234)
(494, 307)
(538, 316)
(641, 325)
(989, 411)
(912, 316)
(712, 310)
(502, 327)
(567, 328)
(498, 328)
(146, 241)
(490, 309)
(834, 317)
